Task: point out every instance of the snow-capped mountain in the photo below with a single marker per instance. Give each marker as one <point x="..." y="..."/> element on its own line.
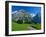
<point x="37" y="18"/>
<point x="21" y="14"/>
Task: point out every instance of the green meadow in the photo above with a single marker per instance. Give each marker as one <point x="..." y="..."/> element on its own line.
<point x="22" y="27"/>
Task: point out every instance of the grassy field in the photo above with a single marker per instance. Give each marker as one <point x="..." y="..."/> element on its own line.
<point x="21" y="27"/>
<point x="36" y="26"/>
<point x="18" y="27"/>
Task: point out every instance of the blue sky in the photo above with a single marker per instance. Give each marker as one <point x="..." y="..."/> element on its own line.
<point x="29" y="9"/>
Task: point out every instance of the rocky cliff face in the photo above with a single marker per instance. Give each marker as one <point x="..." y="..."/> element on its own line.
<point x="37" y="18"/>
<point x="22" y="15"/>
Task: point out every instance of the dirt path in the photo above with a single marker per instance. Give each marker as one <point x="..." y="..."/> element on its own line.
<point x="31" y="28"/>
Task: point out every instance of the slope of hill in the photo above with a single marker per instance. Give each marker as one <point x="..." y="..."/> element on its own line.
<point x="37" y="18"/>
<point x="23" y="15"/>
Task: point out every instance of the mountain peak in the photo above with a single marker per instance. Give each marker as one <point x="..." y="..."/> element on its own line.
<point x="22" y="10"/>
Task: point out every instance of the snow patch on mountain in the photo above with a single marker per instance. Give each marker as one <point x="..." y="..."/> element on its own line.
<point x="33" y="15"/>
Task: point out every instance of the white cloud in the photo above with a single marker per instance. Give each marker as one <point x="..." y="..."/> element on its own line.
<point x="33" y="14"/>
<point x="14" y="12"/>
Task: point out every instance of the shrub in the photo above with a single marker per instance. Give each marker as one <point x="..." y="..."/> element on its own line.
<point x="13" y="20"/>
<point x="20" y="21"/>
<point x="34" y="22"/>
<point x="29" y="22"/>
<point x="26" y="21"/>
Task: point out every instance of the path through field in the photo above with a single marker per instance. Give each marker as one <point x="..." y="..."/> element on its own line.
<point x="31" y="28"/>
<point x="20" y="27"/>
